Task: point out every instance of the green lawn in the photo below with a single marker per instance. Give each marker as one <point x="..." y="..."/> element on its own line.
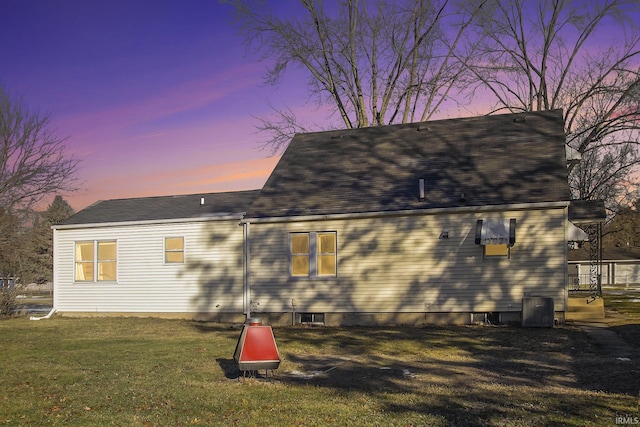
<point x="624" y="313"/>
<point x="151" y="372"/>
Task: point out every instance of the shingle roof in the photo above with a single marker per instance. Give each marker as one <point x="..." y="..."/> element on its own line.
<point x="587" y="211"/>
<point x="164" y="207"/>
<point x="488" y="160"/>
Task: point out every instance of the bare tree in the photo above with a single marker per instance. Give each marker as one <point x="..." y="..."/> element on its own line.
<point x="607" y="175"/>
<point x="33" y="162"/>
<point x="581" y="56"/>
<point x="373" y="63"/>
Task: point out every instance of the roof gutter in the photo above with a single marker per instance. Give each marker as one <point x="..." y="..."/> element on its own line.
<point x="434" y="211"/>
<point x="236" y="217"/>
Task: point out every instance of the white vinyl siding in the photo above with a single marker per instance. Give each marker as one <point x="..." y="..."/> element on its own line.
<point x="400" y="264"/>
<point x="209" y="280"/>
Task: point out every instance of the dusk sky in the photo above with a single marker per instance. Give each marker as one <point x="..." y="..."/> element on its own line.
<point x="156" y="97"/>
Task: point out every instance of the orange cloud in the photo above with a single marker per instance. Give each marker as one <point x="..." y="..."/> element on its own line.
<point x="242" y="175"/>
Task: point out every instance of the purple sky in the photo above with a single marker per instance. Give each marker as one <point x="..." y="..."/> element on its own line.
<point x="156" y="97"/>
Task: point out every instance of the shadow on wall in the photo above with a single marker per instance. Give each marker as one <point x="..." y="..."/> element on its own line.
<point x="216" y="268"/>
<point x="399" y="264"/>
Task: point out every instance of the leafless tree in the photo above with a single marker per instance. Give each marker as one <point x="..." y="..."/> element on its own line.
<point x="582" y="56"/>
<point x="373" y="63"/>
<point x="33" y="161"/>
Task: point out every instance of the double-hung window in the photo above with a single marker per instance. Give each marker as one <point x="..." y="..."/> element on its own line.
<point x="96" y="261"/>
<point x="313" y="254"/>
<point x="174" y="250"/>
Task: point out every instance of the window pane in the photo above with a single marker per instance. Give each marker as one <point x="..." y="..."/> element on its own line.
<point x="84" y="271"/>
<point x="300" y="243"/>
<point x="327" y="243"/>
<point x="107" y="271"/>
<point x="174" y="243"/>
<point x="106" y="251"/>
<point x="326" y="265"/>
<point x="300" y="265"/>
<point x="177" y="256"/>
<point x="496" y="250"/>
<point x="84" y="251"/>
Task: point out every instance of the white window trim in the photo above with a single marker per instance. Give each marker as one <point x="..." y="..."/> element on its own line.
<point x="164" y="250"/>
<point x="95" y="260"/>
<point x="313" y="255"/>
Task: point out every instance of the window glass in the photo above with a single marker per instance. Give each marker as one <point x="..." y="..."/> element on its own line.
<point x="300" y="243"/>
<point x="300" y="254"/>
<point x="326" y="254"/>
<point x="496" y="250"/>
<point x="107" y="261"/>
<point x="106" y="251"/>
<point x="84" y="271"/>
<point x="84" y="261"/>
<point x="84" y="251"/>
<point x="300" y="265"/>
<point x="174" y="257"/>
<point x="107" y="271"/>
<point x="174" y="243"/>
<point x="174" y="250"/>
<point x="327" y="243"/>
<point x="326" y="265"/>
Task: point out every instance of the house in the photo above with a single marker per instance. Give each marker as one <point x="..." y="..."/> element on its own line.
<point x="446" y="221"/>
<point x="620" y="266"/>
<point x="440" y="221"/>
<point x="165" y="256"/>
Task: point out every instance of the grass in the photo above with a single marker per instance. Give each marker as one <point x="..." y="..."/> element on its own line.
<point x="152" y="372"/>
<point x="623" y="308"/>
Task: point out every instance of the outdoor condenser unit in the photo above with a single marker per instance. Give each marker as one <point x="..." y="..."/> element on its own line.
<point x="537" y="312"/>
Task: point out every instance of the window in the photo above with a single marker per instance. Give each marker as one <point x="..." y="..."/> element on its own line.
<point x="326" y="254"/>
<point x="317" y="318"/>
<point x="174" y="250"/>
<point x="300" y="254"/>
<point x="107" y="261"/>
<point x="84" y="261"/>
<point x="96" y="261"/>
<point x="313" y="254"/>
<point x="497" y="236"/>
<point x="496" y="250"/>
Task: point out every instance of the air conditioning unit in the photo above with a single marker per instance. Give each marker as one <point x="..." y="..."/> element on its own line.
<point x="537" y="312"/>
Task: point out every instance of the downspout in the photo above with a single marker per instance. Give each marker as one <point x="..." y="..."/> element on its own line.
<point x="247" y="262"/>
<point x="48" y="316"/>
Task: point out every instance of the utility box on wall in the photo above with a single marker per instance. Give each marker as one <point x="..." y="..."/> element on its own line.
<point x="537" y="312"/>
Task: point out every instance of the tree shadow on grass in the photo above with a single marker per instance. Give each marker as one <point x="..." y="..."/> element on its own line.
<point x="467" y="375"/>
<point x="630" y="333"/>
